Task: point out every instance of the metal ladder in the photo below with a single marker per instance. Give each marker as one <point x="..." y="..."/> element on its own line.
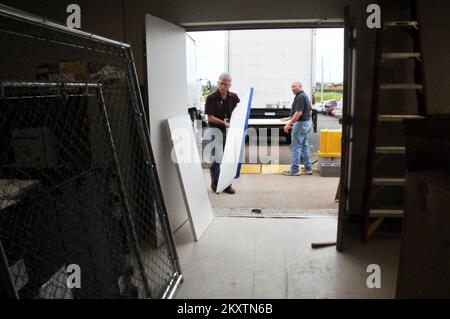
<point x="385" y="171"/>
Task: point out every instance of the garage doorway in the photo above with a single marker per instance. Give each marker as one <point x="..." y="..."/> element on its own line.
<point x="270" y="60"/>
<point x="277" y="25"/>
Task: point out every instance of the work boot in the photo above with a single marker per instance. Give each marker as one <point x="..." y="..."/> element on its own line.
<point x="291" y="173"/>
<point x="307" y="171"/>
<point x="229" y="190"/>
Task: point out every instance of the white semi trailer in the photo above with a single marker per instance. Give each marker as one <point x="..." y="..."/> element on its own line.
<point x="270" y="60"/>
<point x="194" y="88"/>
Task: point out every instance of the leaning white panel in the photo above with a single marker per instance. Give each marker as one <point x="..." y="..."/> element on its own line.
<point x="235" y="143"/>
<point x="186" y="157"/>
<point x="166" y="68"/>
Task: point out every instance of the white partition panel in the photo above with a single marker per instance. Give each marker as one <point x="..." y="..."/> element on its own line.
<point x="186" y="156"/>
<point x="167" y="97"/>
<point x="235" y="143"/>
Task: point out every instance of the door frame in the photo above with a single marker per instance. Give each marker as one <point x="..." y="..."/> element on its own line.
<point x="347" y="125"/>
<point x="348" y="25"/>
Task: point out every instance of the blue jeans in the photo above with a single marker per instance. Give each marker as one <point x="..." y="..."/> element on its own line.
<point x="300" y="146"/>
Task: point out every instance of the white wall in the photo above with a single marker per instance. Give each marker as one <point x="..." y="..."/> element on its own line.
<point x="167" y="97"/>
<point x="270" y="60"/>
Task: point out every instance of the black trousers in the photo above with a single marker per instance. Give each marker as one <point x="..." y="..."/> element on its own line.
<point x="214" y="170"/>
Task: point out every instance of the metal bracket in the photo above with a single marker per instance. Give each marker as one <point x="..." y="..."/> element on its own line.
<point x="347" y="140"/>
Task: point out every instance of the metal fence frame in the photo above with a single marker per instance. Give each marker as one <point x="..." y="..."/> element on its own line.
<point x="143" y="133"/>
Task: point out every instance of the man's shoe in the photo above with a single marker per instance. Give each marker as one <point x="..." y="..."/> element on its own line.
<point x="307" y="171"/>
<point x="229" y="190"/>
<point x="290" y="173"/>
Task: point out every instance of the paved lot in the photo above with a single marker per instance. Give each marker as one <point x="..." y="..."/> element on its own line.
<point x="323" y="122"/>
<point x="275" y="191"/>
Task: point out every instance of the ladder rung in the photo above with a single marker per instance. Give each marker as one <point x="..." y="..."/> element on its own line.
<point x="389" y="181"/>
<point x="401" y="86"/>
<point x="398" y="118"/>
<point x="394" y="56"/>
<point x="386" y="213"/>
<point x="390" y="150"/>
<point x="401" y="24"/>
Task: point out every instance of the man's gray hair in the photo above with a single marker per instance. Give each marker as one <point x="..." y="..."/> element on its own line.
<point x="300" y="84"/>
<point x="225" y="77"/>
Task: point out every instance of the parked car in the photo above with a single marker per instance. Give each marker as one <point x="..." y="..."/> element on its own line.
<point x="319" y="107"/>
<point x="337" y="112"/>
<point x="333" y="107"/>
<point x="329" y="106"/>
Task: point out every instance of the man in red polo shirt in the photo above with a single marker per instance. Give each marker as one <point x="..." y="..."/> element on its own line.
<point x="219" y="107"/>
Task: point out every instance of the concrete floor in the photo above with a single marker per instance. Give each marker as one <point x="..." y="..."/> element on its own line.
<point x="240" y="258"/>
<point x="274" y="191"/>
<point x="271" y="257"/>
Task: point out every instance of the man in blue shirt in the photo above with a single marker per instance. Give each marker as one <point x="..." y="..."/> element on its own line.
<point x="301" y="124"/>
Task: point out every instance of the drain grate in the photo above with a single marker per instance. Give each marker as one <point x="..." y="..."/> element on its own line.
<point x="275" y="212"/>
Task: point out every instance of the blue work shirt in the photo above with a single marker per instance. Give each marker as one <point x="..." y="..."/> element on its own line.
<point x="301" y="104"/>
